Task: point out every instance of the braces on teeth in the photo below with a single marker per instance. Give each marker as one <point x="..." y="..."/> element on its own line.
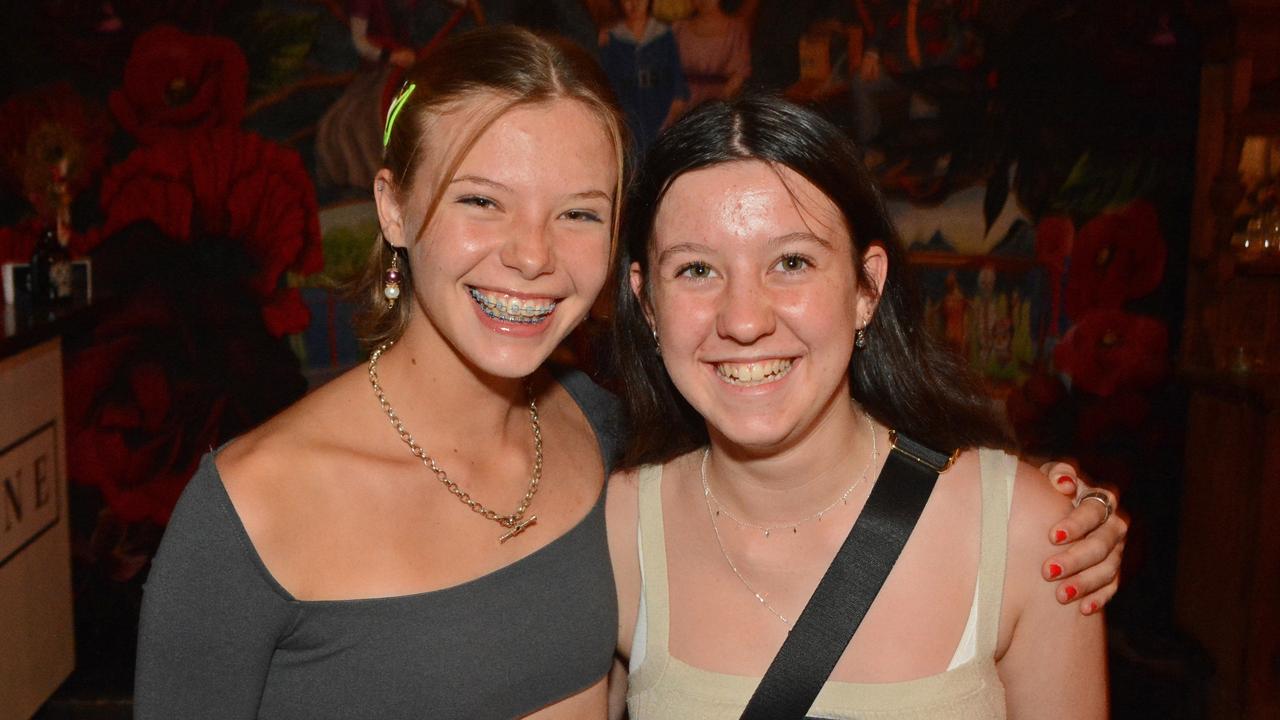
<point x="503" y="310"/>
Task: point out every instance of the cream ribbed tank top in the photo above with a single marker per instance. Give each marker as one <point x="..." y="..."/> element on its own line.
<point x="664" y="687"/>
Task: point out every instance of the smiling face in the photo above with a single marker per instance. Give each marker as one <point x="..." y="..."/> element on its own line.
<point x="755" y="300"/>
<point x="518" y="247"/>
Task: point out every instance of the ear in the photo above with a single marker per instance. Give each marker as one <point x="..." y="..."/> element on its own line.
<point x="875" y="268"/>
<point x="637" y="289"/>
<point x="390" y="216"/>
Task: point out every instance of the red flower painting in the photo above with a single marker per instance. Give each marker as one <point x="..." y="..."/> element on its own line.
<point x="1111" y="350"/>
<point x="178" y="367"/>
<point x="224" y="185"/>
<point x="1055" y="234"/>
<point x="1116" y="257"/>
<point x="18" y="242"/>
<point x="175" y="82"/>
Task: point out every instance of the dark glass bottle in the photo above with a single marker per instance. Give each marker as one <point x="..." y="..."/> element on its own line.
<point x="51" y="273"/>
<point x="41" y="259"/>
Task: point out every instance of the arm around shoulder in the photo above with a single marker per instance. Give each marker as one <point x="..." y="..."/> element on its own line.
<point x="1054" y="659"/>
<point x="211" y="618"/>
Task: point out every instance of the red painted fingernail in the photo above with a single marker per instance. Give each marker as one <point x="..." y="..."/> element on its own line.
<point x="1093" y="608"/>
<point x="1054" y="570"/>
<point x="1059" y="536"/>
<point x="1065" y="480"/>
<point x="1071" y="592"/>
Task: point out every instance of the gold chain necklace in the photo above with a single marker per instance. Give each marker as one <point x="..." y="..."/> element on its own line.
<point x="515" y="523"/>
<point x="713" y="513"/>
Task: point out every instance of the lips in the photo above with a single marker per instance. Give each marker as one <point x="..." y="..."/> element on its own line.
<point x="756" y="372"/>
<point x="511" y="309"/>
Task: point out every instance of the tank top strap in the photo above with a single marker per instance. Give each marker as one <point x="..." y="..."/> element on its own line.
<point x="653" y="562"/>
<point x="998" y="470"/>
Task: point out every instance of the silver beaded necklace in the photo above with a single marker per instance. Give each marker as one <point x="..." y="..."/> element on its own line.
<point x="713" y="513"/>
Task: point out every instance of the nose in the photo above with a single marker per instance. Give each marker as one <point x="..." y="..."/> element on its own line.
<point x="746" y="311"/>
<point x="529" y="250"/>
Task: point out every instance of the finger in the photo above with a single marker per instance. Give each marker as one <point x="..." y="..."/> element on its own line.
<point x="1091" y="579"/>
<point x="1096" y="601"/>
<point x="1081" y="555"/>
<point x="1083" y="520"/>
<point x="1064" y="477"/>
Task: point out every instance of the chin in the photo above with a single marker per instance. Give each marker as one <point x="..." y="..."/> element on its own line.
<point x="508" y="359"/>
<point x="761" y="436"/>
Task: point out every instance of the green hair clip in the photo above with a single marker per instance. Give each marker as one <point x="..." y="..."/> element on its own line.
<point x="396" y="105"/>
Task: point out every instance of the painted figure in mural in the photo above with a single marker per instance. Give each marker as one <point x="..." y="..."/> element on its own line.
<point x="762" y="425"/>
<point x="775" y="37"/>
<point x="915" y="55"/>
<point x="446" y="501"/>
<point x="1024" y="349"/>
<point x="715" y="52"/>
<point x="642" y="60"/>
<point x="955" y="307"/>
<point x="985" y="312"/>
<point x="386" y="35"/>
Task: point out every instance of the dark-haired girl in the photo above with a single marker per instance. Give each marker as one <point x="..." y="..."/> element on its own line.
<point x="771" y="339"/>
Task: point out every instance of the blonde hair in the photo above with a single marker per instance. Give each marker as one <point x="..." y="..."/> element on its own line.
<point x="516" y="67"/>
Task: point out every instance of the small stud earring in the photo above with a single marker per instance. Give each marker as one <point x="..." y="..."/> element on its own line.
<point x="391" y="280"/>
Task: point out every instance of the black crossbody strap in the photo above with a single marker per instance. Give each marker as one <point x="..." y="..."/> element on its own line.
<point x="828" y="622"/>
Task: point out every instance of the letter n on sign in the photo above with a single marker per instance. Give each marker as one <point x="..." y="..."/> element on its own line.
<point x="29" y="502"/>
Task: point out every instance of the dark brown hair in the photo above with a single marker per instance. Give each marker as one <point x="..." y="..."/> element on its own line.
<point x="515" y="66"/>
<point x="903" y="378"/>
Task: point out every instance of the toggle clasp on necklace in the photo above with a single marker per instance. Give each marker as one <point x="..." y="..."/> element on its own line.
<point x="518" y="528"/>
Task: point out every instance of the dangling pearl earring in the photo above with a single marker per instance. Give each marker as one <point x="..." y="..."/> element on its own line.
<point x="391" y="280"/>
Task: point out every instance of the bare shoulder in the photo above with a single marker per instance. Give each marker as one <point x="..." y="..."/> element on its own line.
<point x="1036" y="507"/>
<point x="1051" y="657"/>
<point x="623" y="499"/>
<point x="622" y="516"/>
<point x="276" y="469"/>
<point x="622" y="507"/>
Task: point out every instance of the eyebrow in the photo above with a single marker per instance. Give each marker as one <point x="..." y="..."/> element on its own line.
<point x="682" y="248"/>
<point x="800" y="237"/>
<point x="695" y="248"/>
<point x="480" y="181"/>
<point x="499" y="186"/>
<point x="593" y="194"/>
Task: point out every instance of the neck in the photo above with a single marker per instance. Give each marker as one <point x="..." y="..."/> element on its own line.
<point x="433" y="389"/>
<point x="637" y="24"/>
<point x="794" y="481"/>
